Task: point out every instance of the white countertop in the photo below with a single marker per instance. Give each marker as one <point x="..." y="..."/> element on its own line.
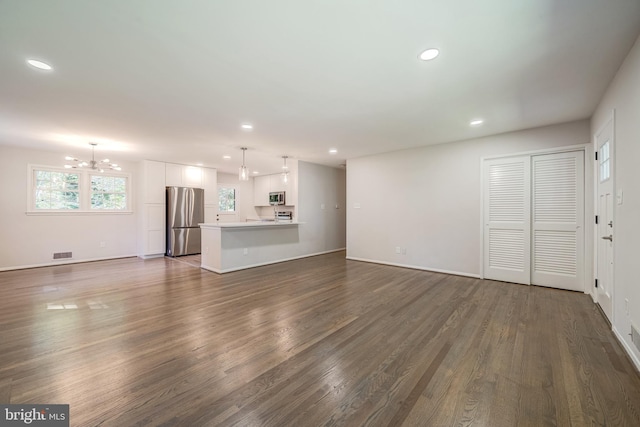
<point x="251" y="224"/>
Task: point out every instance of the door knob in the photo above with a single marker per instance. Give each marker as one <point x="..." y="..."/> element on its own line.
<point x="609" y="237"/>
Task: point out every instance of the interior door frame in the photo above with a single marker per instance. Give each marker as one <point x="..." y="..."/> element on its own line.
<point x="610" y="119"/>
<point x="588" y="207"/>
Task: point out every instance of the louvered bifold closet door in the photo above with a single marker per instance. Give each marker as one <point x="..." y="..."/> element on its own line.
<point x="558" y="220"/>
<point x="507" y="225"/>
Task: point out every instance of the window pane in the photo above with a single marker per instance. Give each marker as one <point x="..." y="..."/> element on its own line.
<point x="43" y="175"/>
<point x="56" y="190"/>
<point x="119" y="185"/>
<point x="108" y="192"/>
<point x="226" y="199"/>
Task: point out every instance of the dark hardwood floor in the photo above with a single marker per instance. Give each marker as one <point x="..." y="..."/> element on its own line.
<point x="312" y="342"/>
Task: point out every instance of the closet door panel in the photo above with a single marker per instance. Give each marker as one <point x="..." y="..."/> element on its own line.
<point x="507" y="225"/>
<point x="558" y="220"/>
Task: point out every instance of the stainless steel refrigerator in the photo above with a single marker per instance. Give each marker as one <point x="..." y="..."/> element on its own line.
<point x="185" y="210"/>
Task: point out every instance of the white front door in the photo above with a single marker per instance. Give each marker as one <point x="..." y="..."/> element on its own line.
<point x="605" y="226"/>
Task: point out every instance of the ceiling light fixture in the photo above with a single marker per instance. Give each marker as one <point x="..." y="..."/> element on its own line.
<point x="476" y="122"/>
<point x="333" y="151"/>
<point x="243" y="174"/>
<point x="226" y="157"/>
<point x="39" y="64"/>
<point x="247" y="126"/>
<point x="93" y="164"/>
<point x="285" y="170"/>
<point x="429" y="54"/>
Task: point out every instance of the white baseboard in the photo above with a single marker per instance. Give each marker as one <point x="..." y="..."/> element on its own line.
<point x="63" y="262"/>
<point x="416" y="267"/>
<point x="627" y="348"/>
<point x="151" y="256"/>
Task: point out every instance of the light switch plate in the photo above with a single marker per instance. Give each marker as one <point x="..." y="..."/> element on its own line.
<point x="619" y="197"/>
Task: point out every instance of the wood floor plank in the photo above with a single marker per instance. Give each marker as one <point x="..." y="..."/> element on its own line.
<point x="310" y="342"/>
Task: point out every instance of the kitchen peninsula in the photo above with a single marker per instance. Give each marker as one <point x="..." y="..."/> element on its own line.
<point x="239" y="245"/>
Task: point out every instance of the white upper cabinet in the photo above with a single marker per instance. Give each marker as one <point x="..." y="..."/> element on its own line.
<point x="192" y="177"/>
<point x="276" y="183"/>
<point x="263" y="185"/>
<point x="261" y="189"/>
<point x="153" y="177"/>
<point x="210" y="185"/>
<point x="184" y="176"/>
<point x="174" y="175"/>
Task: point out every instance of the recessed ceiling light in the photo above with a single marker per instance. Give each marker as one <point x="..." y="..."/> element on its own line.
<point x="226" y="157"/>
<point x="256" y="172"/>
<point x="476" y="122"/>
<point x="198" y="164"/>
<point x="39" y="64"/>
<point x="333" y="151"/>
<point x="247" y="126"/>
<point x="429" y="54"/>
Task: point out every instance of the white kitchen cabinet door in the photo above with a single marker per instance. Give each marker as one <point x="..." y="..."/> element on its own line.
<point x="192" y="176"/>
<point x="154" y="181"/>
<point x="210" y="185"/>
<point x="507" y="224"/>
<point x="277" y="183"/>
<point x="558" y="220"/>
<point x="173" y="175"/>
<point x="261" y="189"/>
<point x="154" y="229"/>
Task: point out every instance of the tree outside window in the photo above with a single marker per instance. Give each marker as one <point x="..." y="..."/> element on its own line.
<point x="226" y="199"/>
<point x="56" y="190"/>
<point x="108" y="192"/>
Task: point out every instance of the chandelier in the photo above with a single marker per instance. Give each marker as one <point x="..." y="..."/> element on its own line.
<point x="93" y="164"/>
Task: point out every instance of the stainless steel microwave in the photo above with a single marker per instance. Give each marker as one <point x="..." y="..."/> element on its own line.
<point x="276" y="198"/>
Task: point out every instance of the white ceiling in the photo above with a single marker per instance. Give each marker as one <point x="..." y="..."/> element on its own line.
<point x="173" y="80"/>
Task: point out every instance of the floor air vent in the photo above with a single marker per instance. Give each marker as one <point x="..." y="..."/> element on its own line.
<point x="62" y="255"/>
<point x="635" y="336"/>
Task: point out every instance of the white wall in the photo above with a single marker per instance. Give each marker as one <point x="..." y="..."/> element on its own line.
<point x="30" y="240"/>
<point x="623" y="96"/>
<point x="427" y="201"/>
<point x="244" y="195"/>
<point x="320" y="190"/>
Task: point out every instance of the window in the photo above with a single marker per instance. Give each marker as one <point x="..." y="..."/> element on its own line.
<point x="605" y="162"/>
<point x="57" y="190"/>
<point x="226" y="199"/>
<point x="108" y="192"/>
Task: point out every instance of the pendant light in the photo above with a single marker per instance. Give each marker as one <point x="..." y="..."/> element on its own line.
<point x="243" y="173"/>
<point x="285" y="170"/>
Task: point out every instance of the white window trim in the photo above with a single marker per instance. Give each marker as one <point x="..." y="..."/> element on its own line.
<point x="84" y="191"/>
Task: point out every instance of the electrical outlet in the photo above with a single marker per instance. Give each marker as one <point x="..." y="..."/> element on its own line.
<point x="245" y="251"/>
<point x="397" y="249"/>
<point x="322" y="206"/>
<point x="103" y="244"/>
